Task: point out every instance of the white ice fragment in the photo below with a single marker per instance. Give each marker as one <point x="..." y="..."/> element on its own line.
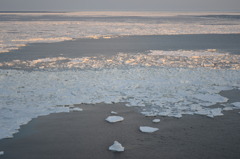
<point x="227" y="108"/>
<point x="212" y="98"/>
<point x="156" y="120"/>
<point x="210" y="112"/>
<point x="215" y="112"/>
<point x="147" y="129"/>
<point x="113" y="119"/>
<point x="71" y="106"/>
<point x="149" y="114"/>
<point x="176" y="115"/>
<point x="116" y="147"/>
<point x="77" y="109"/>
<point x="164" y="113"/>
<point x="236" y="105"/>
<point x="1" y="152"/>
<point x="113" y="112"/>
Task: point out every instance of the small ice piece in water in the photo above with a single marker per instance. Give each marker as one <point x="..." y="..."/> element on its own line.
<point x="227" y="108"/>
<point x="113" y="119"/>
<point x="1" y="153"/>
<point x="113" y="112"/>
<point x="215" y="112"/>
<point x="156" y="120"/>
<point x="176" y="115"/>
<point x="236" y="105"/>
<point x="147" y="129"/>
<point x="116" y="147"/>
<point x="149" y="114"/>
<point x="76" y="109"/>
<point x="71" y="106"/>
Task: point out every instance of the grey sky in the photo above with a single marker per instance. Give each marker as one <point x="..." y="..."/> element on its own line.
<point x="132" y="5"/>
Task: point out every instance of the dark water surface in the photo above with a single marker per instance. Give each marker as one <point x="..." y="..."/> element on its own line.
<point x="94" y="47"/>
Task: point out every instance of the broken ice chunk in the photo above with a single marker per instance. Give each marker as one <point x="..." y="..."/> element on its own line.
<point x="113" y="112"/>
<point x="76" y="109"/>
<point x="71" y="106"/>
<point x="149" y="114"/>
<point x="228" y="108"/>
<point x="156" y="120"/>
<point x="1" y="153"/>
<point x="164" y="113"/>
<point x="215" y="112"/>
<point x="116" y="147"/>
<point x="176" y="115"/>
<point x="210" y="112"/>
<point x="147" y="129"/>
<point x="236" y="105"/>
<point x="113" y="119"/>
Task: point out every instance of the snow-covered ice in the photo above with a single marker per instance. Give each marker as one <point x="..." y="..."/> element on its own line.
<point x="156" y="120"/>
<point x="114" y="119"/>
<point x="116" y="147"/>
<point x="147" y="129"/>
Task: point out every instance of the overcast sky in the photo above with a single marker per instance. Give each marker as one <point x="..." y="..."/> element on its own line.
<point x="129" y="5"/>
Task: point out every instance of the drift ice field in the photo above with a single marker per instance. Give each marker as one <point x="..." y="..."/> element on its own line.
<point x="158" y="82"/>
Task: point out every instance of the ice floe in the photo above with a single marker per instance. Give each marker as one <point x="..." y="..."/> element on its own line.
<point x="236" y="105"/>
<point x="114" y="119"/>
<point x="156" y="120"/>
<point x="147" y="129"/>
<point x="116" y="147"/>
<point x="76" y="109"/>
<point x="113" y="112"/>
<point x="1" y="152"/>
<point x="227" y="108"/>
<point x="149" y="114"/>
<point x="210" y="112"/>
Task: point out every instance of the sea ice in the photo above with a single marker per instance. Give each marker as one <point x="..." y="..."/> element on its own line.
<point x="156" y="87"/>
<point x="147" y="129"/>
<point x="227" y="108"/>
<point x="77" y="109"/>
<point x="116" y="147"/>
<point x="149" y="114"/>
<point x="114" y="119"/>
<point x="236" y="105"/>
<point x="1" y="153"/>
<point x="113" y="112"/>
<point x="156" y="120"/>
<point x="54" y="31"/>
<point x="210" y="112"/>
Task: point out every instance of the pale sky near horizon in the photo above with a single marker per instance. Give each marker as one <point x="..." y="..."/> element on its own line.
<point x="120" y="5"/>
